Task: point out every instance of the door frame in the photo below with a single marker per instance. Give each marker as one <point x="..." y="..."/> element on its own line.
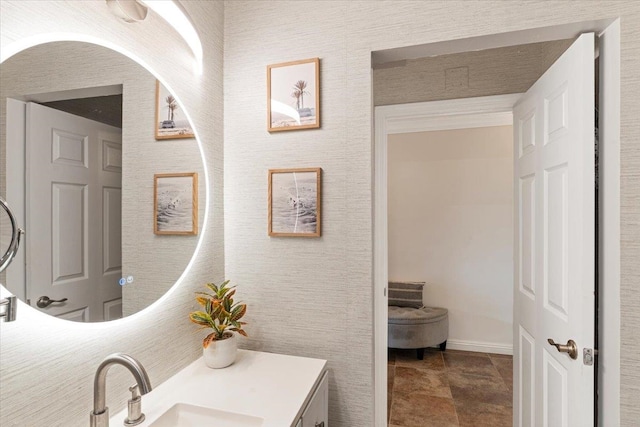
<point x="417" y="117"/>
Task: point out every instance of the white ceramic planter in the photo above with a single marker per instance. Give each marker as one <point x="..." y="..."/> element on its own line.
<point x="220" y="354"/>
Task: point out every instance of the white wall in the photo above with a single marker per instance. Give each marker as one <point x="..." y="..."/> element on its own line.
<point x="450" y="219"/>
<point x="47" y="365"/>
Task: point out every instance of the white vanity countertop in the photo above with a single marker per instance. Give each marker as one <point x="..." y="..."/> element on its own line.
<point x="266" y="385"/>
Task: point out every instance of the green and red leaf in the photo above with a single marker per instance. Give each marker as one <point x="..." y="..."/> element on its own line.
<point x="240" y="331"/>
<point x="221" y="313"/>
<point x="200" y="318"/>
<point x="213" y="287"/>
<point x="209" y="339"/>
<point x="238" y="312"/>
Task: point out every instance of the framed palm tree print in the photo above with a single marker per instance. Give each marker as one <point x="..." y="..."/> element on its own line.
<point x="293" y="95"/>
<point x="171" y="121"/>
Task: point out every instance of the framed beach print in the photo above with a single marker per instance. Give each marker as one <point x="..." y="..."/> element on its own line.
<point x="171" y="122"/>
<point x="293" y="95"/>
<point x="294" y="202"/>
<point x="175" y="203"/>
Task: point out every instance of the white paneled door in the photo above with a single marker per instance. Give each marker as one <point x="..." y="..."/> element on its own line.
<point x="73" y="181"/>
<point x="554" y="250"/>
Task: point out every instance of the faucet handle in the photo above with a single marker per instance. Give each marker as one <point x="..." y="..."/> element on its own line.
<point x="134" y="415"/>
<point x="135" y="391"/>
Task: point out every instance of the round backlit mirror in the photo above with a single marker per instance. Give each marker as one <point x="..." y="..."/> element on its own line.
<point x="102" y="172"/>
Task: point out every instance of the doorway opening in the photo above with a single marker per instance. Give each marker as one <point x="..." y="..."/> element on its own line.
<point x="407" y="118"/>
<point x="450" y="200"/>
<point x="450" y="225"/>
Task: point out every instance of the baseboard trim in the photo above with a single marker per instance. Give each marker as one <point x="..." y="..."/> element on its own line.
<point x="479" y="346"/>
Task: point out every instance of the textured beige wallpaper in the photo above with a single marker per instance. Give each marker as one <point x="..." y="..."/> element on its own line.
<point x="488" y="72"/>
<point x="325" y="285"/>
<point x="47" y="365"/>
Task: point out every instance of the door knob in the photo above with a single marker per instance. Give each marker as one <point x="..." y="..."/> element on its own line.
<point x="571" y="348"/>
<point x="45" y="301"/>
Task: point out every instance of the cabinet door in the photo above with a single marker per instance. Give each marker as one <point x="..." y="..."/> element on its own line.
<point x="316" y="413"/>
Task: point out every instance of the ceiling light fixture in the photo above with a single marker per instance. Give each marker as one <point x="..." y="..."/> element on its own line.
<point x="128" y="10"/>
<point x="170" y="11"/>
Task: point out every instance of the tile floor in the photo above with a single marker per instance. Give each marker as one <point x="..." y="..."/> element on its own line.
<point x="454" y="388"/>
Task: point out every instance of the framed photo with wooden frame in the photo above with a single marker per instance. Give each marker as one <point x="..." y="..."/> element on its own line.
<point x="295" y="202"/>
<point x="293" y="95"/>
<point x="175" y="200"/>
<point x="171" y="121"/>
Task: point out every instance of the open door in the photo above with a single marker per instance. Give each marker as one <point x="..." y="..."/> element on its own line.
<point x="74" y="185"/>
<point x="554" y="244"/>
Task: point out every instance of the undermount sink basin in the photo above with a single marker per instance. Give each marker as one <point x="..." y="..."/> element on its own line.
<point x="184" y="415"/>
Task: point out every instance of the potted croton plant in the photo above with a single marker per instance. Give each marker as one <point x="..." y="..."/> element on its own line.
<point x="222" y="314"/>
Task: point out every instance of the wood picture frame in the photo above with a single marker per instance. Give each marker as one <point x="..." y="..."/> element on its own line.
<point x="176" y="125"/>
<point x="295" y="202"/>
<point x="175" y="203"/>
<point x="291" y="88"/>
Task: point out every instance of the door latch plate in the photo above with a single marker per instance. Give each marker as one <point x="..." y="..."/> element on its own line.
<point x="587" y="356"/>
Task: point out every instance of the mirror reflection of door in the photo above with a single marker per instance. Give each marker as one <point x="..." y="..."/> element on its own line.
<point x="73" y="176"/>
<point x="99" y="84"/>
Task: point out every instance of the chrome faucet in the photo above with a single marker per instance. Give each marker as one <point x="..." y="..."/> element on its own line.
<point x="100" y="414"/>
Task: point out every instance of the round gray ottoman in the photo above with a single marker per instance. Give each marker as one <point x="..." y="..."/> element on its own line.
<point x="418" y="328"/>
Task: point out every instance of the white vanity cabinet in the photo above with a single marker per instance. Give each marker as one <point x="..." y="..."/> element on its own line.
<point x="265" y="389"/>
<point x="316" y="413"/>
